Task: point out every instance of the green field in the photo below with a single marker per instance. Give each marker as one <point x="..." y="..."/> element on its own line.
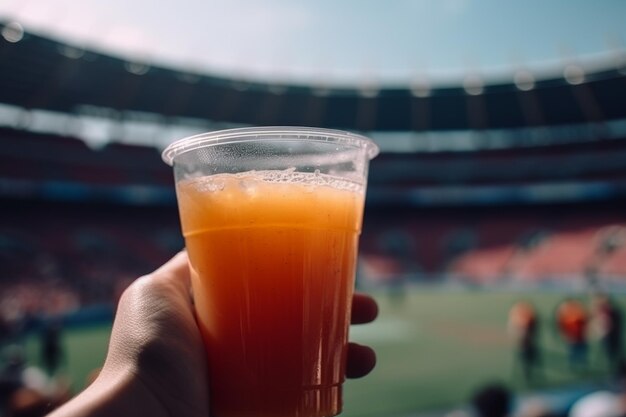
<point x="434" y="348"/>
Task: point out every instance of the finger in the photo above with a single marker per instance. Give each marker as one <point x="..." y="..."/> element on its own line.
<point x="364" y="309"/>
<point x="175" y="272"/>
<point x="361" y="360"/>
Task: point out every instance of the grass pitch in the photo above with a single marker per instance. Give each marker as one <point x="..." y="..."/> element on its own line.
<point x="434" y="347"/>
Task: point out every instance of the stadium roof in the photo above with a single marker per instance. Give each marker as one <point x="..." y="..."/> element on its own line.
<point x="40" y="73"/>
<point x="348" y="43"/>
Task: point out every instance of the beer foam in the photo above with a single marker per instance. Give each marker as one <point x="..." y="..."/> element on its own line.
<point x="214" y="183"/>
<point x="290" y="176"/>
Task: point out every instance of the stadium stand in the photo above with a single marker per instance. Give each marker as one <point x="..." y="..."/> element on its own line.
<point x="598" y="160"/>
<point x="491" y="245"/>
<point x="82" y="252"/>
<point x="453" y="210"/>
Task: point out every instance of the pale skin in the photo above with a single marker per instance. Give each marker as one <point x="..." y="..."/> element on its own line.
<point x="156" y="364"/>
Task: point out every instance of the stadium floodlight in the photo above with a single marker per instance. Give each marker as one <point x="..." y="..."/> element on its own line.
<point x="369" y="90"/>
<point x="70" y="51"/>
<point x="420" y="91"/>
<point x="137" y="68"/>
<point x="524" y="80"/>
<point x="12" y="32"/>
<point x="574" y="74"/>
<point x="473" y="85"/>
<point x="420" y="87"/>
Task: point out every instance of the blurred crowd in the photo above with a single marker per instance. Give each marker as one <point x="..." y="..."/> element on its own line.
<point x="63" y="257"/>
<point x="576" y="326"/>
<point x="529" y="247"/>
<point x="498" y="400"/>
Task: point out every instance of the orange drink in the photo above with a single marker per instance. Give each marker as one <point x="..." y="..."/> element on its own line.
<point x="273" y="269"/>
<point x="271" y="226"/>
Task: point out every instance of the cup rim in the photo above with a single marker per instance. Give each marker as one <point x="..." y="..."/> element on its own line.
<point x="276" y="133"/>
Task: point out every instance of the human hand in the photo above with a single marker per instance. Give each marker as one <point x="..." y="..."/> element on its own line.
<point x="361" y="359"/>
<point x="156" y="363"/>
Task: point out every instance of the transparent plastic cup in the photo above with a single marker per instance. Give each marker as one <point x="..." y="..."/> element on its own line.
<point x="271" y="218"/>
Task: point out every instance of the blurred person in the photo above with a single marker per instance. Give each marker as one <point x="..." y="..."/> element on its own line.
<point x="26" y="390"/>
<point x="605" y="402"/>
<point x="5" y="329"/>
<point x="608" y="323"/>
<point x="597" y="404"/>
<point x="51" y="344"/>
<point x="572" y="320"/>
<point x="13" y="364"/>
<point x="156" y="362"/>
<point x="15" y="317"/>
<point x="492" y="400"/>
<point x="523" y="325"/>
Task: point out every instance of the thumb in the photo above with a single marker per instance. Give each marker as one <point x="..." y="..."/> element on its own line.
<point x="174" y="273"/>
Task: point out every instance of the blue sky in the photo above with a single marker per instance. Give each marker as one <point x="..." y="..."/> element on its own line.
<point x="330" y="41"/>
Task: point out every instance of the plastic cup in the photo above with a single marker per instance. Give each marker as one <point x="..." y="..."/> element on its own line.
<point x="271" y="218"/>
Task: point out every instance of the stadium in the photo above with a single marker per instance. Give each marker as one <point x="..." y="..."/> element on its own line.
<point x="486" y="191"/>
